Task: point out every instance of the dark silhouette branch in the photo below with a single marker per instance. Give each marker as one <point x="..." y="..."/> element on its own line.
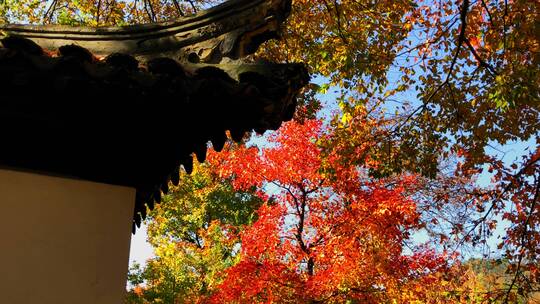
<point x="47" y="18"/>
<point x="149" y="8"/>
<point x="178" y="8"/>
<point x="98" y="11"/>
<point x="193" y="7"/>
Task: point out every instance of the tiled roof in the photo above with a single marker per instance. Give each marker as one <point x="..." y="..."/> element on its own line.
<point x="232" y="30"/>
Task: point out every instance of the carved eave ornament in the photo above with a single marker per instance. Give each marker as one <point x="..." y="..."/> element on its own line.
<point x="129" y="105"/>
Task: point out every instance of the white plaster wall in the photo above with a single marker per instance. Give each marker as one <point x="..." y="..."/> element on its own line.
<point x="63" y="240"/>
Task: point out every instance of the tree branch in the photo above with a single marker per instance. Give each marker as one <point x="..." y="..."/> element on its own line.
<point x="522" y="240"/>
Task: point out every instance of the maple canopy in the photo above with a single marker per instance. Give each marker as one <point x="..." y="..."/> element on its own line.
<point x="323" y="238"/>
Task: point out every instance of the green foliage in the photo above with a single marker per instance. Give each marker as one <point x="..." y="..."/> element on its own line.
<point x="195" y="234"/>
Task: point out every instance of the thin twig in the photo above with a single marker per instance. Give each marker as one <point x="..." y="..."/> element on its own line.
<point x="338" y="19"/>
<point x="481" y="62"/>
<point x="488" y="12"/>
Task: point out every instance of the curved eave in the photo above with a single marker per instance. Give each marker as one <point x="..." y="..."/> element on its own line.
<point x="237" y="17"/>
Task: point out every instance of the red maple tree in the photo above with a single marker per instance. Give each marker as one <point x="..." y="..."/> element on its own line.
<point x="328" y="233"/>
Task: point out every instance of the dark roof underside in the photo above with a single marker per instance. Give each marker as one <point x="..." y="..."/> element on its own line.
<point x="116" y="121"/>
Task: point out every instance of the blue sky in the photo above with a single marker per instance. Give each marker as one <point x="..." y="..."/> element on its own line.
<point x="140" y="250"/>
